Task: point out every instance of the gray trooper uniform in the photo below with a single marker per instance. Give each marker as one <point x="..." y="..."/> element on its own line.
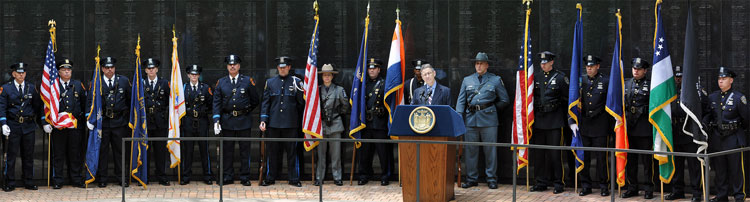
<point x="479" y="101"/>
<point x="335" y="104"/>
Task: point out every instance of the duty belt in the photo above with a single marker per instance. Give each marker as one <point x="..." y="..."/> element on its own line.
<point x="635" y="110"/>
<point x="679" y="120"/>
<point x="476" y="108"/>
<point x="22" y="119"/>
<point x="237" y="112"/>
<point x="152" y="110"/>
<point x="729" y="126"/>
<point x="110" y="113"/>
<point x="549" y="106"/>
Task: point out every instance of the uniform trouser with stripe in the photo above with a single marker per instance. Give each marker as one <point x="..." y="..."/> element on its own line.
<point x="647" y="160"/>
<point x="471" y="153"/>
<point x="275" y="150"/>
<point x="160" y="154"/>
<point x="728" y="169"/>
<point x="367" y="152"/>
<point x="333" y="149"/>
<point x="20" y="144"/>
<point x="601" y="175"/>
<point x="694" y="170"/>
<point x="228" y="153"/>
<point x="66" y="150"/>
<point x="112" y="137"/>
<point x="547" y="163"/>
<point x="188" y="148"/>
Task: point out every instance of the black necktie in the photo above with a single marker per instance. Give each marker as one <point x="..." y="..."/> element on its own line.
<point x="65" y="85"/>
<point x="152" y="84"/>
<point x="480" y="78"/>
<point x="234" y="81"/>
<point x="195" y="89"/>
<point x="20" y="88"/>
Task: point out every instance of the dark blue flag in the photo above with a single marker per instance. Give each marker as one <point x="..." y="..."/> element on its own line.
<point x="574" y="93"/>
<point x="357" y="100"/>
<point x="94" y="117"/>
<point x="139" y="148"/>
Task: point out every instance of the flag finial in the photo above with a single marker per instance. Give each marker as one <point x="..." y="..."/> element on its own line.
<point x="398" y="12"/>
<point x="138" y="46"/>
<point x="368" y="8"/>
<point x="528" y="3"/>
<point x="316" y="7"/>
<point x="98" y="48"/>
<point x="53" y="34"/>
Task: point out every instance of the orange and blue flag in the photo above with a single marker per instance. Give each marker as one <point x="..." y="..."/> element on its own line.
<point x="616" y="102"/>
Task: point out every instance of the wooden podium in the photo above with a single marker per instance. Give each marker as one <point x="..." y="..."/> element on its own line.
<point x="437" y="161"/>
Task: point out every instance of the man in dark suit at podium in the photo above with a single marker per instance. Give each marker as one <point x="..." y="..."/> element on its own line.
<point x="431" y="93"/>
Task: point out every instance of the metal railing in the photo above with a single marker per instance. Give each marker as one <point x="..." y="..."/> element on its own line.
<point x="611" y="152"/>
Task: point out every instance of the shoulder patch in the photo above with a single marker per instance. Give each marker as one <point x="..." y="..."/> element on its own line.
<point x="1" y="90"/>
<point x="744" y="101"/>
<point x="209" y="91"/>
<point x="252" y="82"/>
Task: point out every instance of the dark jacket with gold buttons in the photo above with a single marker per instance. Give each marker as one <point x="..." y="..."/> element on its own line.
<point x="637" y="93"/>
<point x="233" y="102"/>
<point x="727" y="118"/>
<point x="19" y="111"/>
<point x="115" y="102"/>
<point x="73" y="99"/>
<point x="550" y="99"/>
<point x="198" y="104"/>
<point x="376" y="115"/>
<point x="594" y="120"/>
<point x="156" y="99"/>
<point x="283" y="102"/>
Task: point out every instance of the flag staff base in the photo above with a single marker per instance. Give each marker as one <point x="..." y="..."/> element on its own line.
<point x="179" y="175"/>
<point x="312" y="157"/>
<point x="576" y="182"/>
<point x="527" y="177"/>
<point x="351" y="174"/>
<point x="662" y="190"/>
<point x="49" y="147"/>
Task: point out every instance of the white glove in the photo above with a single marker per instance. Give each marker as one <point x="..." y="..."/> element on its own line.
<point x="6" y="130"/>
<point x="89" y="125"/>
<point x="574" y="127"/>
<point x="217" y="128"/>
<point x="47" y="128"/>
<point x="262" y="126"/>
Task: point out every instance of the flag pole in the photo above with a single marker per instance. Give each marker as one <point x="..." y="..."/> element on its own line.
<point x="528" y="11"/>
<point x="52" y="24"/>
<point x="662" y="190"/>
<point x="351" y="174"/>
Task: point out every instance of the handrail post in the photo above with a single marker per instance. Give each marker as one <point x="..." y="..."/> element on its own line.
<point x="613" y="174"/>
<point x="706" y="184"/>
<point x="122" y="168"/>
<point x="221" y="169"/>
<point x="515" y="172"/>
<point x="418" y="173"/>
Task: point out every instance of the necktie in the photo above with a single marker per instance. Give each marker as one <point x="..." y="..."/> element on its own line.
<point x="195" y="89"/>
<point x="429" y="97"/>
<point x="152" y="84"/>
<point x="109" y="83"/>
<point x="65" y="85"/>
<point x="20" y="89"/>
<point x="480" y="78"/>
<point x="234" y="81"/>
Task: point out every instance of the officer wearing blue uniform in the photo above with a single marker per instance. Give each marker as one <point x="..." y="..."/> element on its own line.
<point x="727" y="119"/>
<point x="280" y="113"/>
<point x="66" y="142"/>
<point x="195" y="124"/>
<point x="481" y="97"/>
<point x="684" y="143"/>
<point x="550" y="115"/>
<point x="116" y="105"/>
<point x="156" y="97"/>
<point x="19" y="106"/>
<point x="376" y="120"/>
<point x="415" y="82"/>
<point x="236" y="96"/>
<point x="595" y="125"/>
<point x="637" y="91"/>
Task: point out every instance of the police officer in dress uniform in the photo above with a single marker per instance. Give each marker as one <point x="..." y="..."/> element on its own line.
<point x="415" y="82"/>
<point x="377" y="127"/>
<point x="550" y="106"/>
<point x="157" y="99"/>
<point x="481" y="97"/>
<point x="66" y="142"/>
<point x="195" y="124"/>
<point x="684" y="143"/>
<point x="596" y="125"/>
<point x="280" y="114"/>
<point x="116" y="105"/>
<point x="19" y="105"/>
<point x="335" y="105"/>
<point x="637" y="91"/>
<point x="235" y="98"/>
<point x="727" y="119"/>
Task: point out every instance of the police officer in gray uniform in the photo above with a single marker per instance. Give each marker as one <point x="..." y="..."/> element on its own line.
<point x="19" y="106"/>
<point x="637" y="91"/>
<point x="550" y="106"/>
<point x="280" y="115"/>
<point x="481" y="97"/>
<point x="335" y="105"/>
<point x="377" y="128"/>
<point x="727" y="119"/>
<point x="198" y="105"/>
<point x="595" y="125"/>
<point x="415" y="82"/>
<point x="66" y="142"/>
<point x="156" y="97"/>
<point x="234" y="98"/>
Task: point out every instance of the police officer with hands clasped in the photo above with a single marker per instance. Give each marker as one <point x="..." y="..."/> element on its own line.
<point x="198" y="106"/>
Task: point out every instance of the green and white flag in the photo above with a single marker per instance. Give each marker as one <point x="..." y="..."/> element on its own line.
<point x="662" y="94"/>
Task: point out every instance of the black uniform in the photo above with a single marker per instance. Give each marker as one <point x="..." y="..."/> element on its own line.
<point x="19" y="110"/>
<point x="156" y="97"/>
<point x="195" y="124"/>
<point x="280" y="109"/>
<point x="233" y="102"/>
<point x="640" y="136"/>
<point x="596" y="128"/>
<point x="116" y="105"/>
<point x="377" y="128"/>
<point x="550" y="115"/>
<point x="66" y="143"/>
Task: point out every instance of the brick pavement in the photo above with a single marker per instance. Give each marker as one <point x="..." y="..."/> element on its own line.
<point x="197" y="191"/>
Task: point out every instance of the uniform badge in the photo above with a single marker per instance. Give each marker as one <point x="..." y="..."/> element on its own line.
<point x="645" y="88"/>
<point x="161" y="92"/>
<point x="600" y="86"/>
<point x="242" y="90"/>
<point x="148" y="89"/>
<point x="566" y="80"/>
<point x="730" y="101"/>
<point x="234" y="90"/>
<point x="553" y="82"/>
<point x="28" y="96"/>
<point x="203" y="98"/>
<point x="744" y="101"/>
<point x="75" y="93"/>
<point x="122" y="90"/>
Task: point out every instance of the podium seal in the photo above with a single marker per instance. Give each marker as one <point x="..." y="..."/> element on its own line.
<point x="422" y="120"/>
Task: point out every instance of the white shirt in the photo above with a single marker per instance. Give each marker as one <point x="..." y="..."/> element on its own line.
<point x="153" y="81"/>
<point x="235" y="78"/>
<point x="17" y="85"/>
<point x="109" y="81"/>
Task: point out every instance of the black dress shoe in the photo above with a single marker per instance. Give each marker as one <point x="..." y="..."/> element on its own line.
<point x="9" y="188"/>
<point x="605" y="192"/>
<point x="31" y="187"/>
<point x="384" y="182"/>
<point x="164" y="182"/>
<point x="674" y="196"/>
<point x="538" y="188"/>
<point x="717" y="199"/>
<point x="246" y="183"/>
<point x="362" y="182"/>
<point x="558" y="190"/>
<point x="739" y="199"/>
<point x="208" y="182"/>
<point x="696" y="199"/>
<point x="226" y="182"/>
<point x="56" y="186"/>
<point x="584" y="192"/>
<point x="267" y="182"/>
<point x="317" y="182"/>
<point x="629" y="194"/>
<point x="338" y="183"/>
<point x="648" y="195"/>
<point x="492" y="185"/>
<point x="184" y="182"/>
<point x="102" y="184"/>
<point x="468" y="184"/>
<point x="295" y="183"/>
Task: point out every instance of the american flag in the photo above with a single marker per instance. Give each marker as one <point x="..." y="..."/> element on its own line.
<point x="312" y="125"/>
<point x="523" y="107"/>
<point x="51" y="93"/>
